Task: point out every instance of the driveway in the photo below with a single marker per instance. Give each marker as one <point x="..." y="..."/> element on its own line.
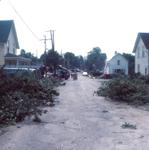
<point x="81" y="121"/>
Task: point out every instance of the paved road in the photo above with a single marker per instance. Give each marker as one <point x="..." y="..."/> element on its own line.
<point x="81" y="121"/>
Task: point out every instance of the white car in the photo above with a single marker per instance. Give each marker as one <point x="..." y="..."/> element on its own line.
<point x="85" y="74"/>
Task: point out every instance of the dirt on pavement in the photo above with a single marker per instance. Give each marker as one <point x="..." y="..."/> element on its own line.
<point x="82" y="121"/>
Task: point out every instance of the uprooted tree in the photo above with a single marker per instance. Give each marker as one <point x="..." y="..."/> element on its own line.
<point x="126" y="89"/>
<point x="22" y="95"/>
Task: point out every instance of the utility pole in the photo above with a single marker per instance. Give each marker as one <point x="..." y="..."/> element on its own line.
<point x="52" y="39"/>
<point x="45" y="44"/>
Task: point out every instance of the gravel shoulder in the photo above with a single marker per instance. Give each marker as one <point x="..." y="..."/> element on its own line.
<point x="81" y="121"/>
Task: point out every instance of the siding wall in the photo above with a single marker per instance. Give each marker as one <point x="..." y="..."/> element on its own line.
<point x="141" y="58"/>
<point x="11" y="44"/>
<point x="113" y="64"/>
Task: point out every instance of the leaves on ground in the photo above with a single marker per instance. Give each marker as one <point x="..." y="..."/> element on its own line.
<point x="127" y="125"/>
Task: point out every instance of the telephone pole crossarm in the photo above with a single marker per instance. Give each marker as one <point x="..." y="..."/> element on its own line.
<point x="45" y="44"/>
<point x="52" y="38"/>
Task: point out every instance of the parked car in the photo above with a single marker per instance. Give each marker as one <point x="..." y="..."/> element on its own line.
<point x="85" y="73"/>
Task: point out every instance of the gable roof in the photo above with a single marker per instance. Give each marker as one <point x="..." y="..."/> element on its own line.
<point x="145" y="39"/>
<point x="118" y="54"/>
<point x="5" y="27"/>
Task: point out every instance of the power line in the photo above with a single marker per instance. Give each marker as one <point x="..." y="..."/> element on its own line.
<point x="27" y="26"/>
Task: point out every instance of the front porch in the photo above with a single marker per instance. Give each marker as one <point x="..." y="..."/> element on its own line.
<point x="12" y="60"/>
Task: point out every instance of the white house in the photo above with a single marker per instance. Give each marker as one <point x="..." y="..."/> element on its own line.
<point x="118" y="64"/>
<point x="141" y="50"/>
<point x="8" y="39"/>
<point x="9" y="45"/>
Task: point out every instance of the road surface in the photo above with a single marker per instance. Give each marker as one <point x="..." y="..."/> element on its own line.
<point x="81" y="121"/>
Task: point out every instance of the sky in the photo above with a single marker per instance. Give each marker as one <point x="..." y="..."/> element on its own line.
<point x="79" y="25"/>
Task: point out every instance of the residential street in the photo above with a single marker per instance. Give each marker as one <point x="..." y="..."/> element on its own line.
<point x="80" y="120"/>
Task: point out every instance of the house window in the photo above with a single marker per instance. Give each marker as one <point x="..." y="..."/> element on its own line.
<point x="13" y="50"/>
<point x="118" y="62"/>
<point x="7" y="50"/>
<point x="7" y="47"/>
<point x="145" y="71"/>
<point x="138" y="66"/>
<point x="119" y="71"/>
<point x="143" y="54"/>
<point x="138" y="54"/>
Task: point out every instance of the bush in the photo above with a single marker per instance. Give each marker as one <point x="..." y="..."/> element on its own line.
<point x="125" y="89"/>
<point x="22" y="95"/>
<point x="140" y="77"/>
<point x="96" y="73"/>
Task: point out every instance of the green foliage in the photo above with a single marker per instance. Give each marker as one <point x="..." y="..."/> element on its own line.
<point x="141" y="77"/>
<point x="131" y="63"/>
<point x="72" y="61"/>
<point x="132" y="90"/>
<point x="96" y="60"/>
<point x="23" y="95"/>
<point x="34" y="60"/>
<point x="53" y="58"/>
<point x="127" y="125"/>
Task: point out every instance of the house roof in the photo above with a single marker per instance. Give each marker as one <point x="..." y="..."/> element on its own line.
<point x="5" y="27"/>
<point x="145" y="39"/>
<point x="118" y="54"/>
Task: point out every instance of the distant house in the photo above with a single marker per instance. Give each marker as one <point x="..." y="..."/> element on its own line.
<point x="9" y="45"/>
<point x="118" y="64"/>
<point x="141" y="50"/>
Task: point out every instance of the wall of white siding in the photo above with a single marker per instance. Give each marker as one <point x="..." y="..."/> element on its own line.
<point x="11" y="43"/>
<point x="141" y="58"/>
<point x="106" y="68"/>
<point x="113" y="64"/>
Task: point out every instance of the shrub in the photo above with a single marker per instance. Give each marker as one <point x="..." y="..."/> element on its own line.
<point x="127" y="125"/>
<point x="23" y="95"/>
<point x="125" y="89"/>
<point x="96" y="73"/>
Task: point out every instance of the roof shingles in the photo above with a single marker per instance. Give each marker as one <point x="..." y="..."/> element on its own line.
<point x="5" y="27"/>
<point x="145" y="38"/>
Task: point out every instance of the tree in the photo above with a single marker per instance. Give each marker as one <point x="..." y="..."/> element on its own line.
<point x="52" y="59"/>
<point x="29" y="55"/>
<point x="95" y="60"/>
<point x="22" y="52"/>
<point x="72" y="61"/>
<point x="131" y="62"/>
<point x="81" y="62"/>
<point x="69" y="59"/>
<point x="25" y="54"/>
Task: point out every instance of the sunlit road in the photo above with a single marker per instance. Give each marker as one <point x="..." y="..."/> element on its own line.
<point x="81" y="121"/>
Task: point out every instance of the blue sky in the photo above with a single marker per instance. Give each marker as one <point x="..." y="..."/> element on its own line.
<point x="79" y="25"/>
